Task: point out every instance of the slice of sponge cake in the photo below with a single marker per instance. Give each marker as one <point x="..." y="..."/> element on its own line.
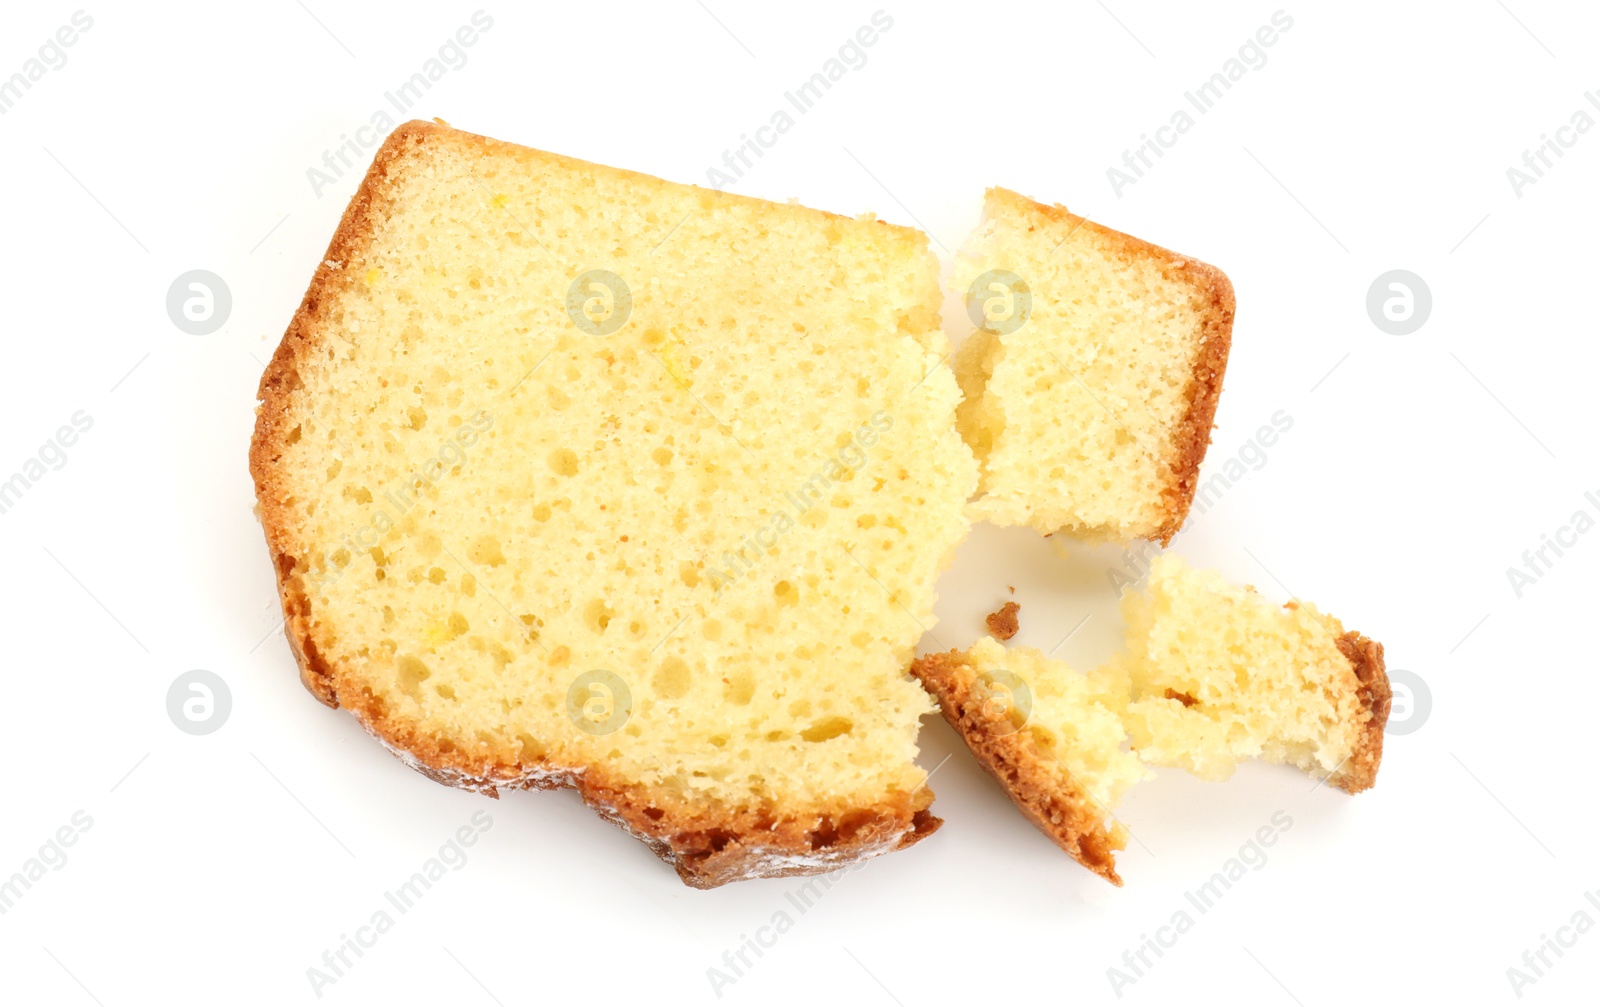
<point x="576" y="477"/>
<point x="1221" y="674"/>
<point x="1052" y="737"/>
<point x="1093" y="377"/>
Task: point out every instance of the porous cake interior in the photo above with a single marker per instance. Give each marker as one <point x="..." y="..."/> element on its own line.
<point x="1079" y="414"/>
<point x="1072" y="719"/>
<point x="1221" y="674"/>
<point x="698" y="549"/>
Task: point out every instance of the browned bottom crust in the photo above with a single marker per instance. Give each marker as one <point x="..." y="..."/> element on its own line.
<point x="1003" y="624"/>
<point x="1036" y="784"/>
<point x="1360" y="771"/>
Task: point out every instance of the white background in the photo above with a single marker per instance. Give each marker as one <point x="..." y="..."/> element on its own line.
<point x="1419" y="468"/>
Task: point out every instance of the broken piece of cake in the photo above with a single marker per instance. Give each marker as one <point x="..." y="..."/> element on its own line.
<point x="1212" y="674"/>
<point x="1220" y="674"/>
<point x="1051" y="736"/>
<point x="1093" y="376"/>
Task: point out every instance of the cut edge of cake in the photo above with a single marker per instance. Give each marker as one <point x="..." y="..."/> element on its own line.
<point x="707" y="845"/>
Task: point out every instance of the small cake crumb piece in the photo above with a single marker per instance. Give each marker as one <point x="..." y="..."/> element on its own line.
<point x="1003" y="624"/>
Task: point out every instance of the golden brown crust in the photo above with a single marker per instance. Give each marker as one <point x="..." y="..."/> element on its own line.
<point x="1213" y="292"/>
<point x="707" y="845"/>
<point x="1036" y="784"/>
<point x="1003" y="624"/>
<point x="1193" y="435"/>
<point x="1360" y="771"/>
<point x="280" y="380"/>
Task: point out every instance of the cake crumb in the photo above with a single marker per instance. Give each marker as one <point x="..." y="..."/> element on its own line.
<point x="1003" y="624"/>
<point x="1182" y="697"/>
